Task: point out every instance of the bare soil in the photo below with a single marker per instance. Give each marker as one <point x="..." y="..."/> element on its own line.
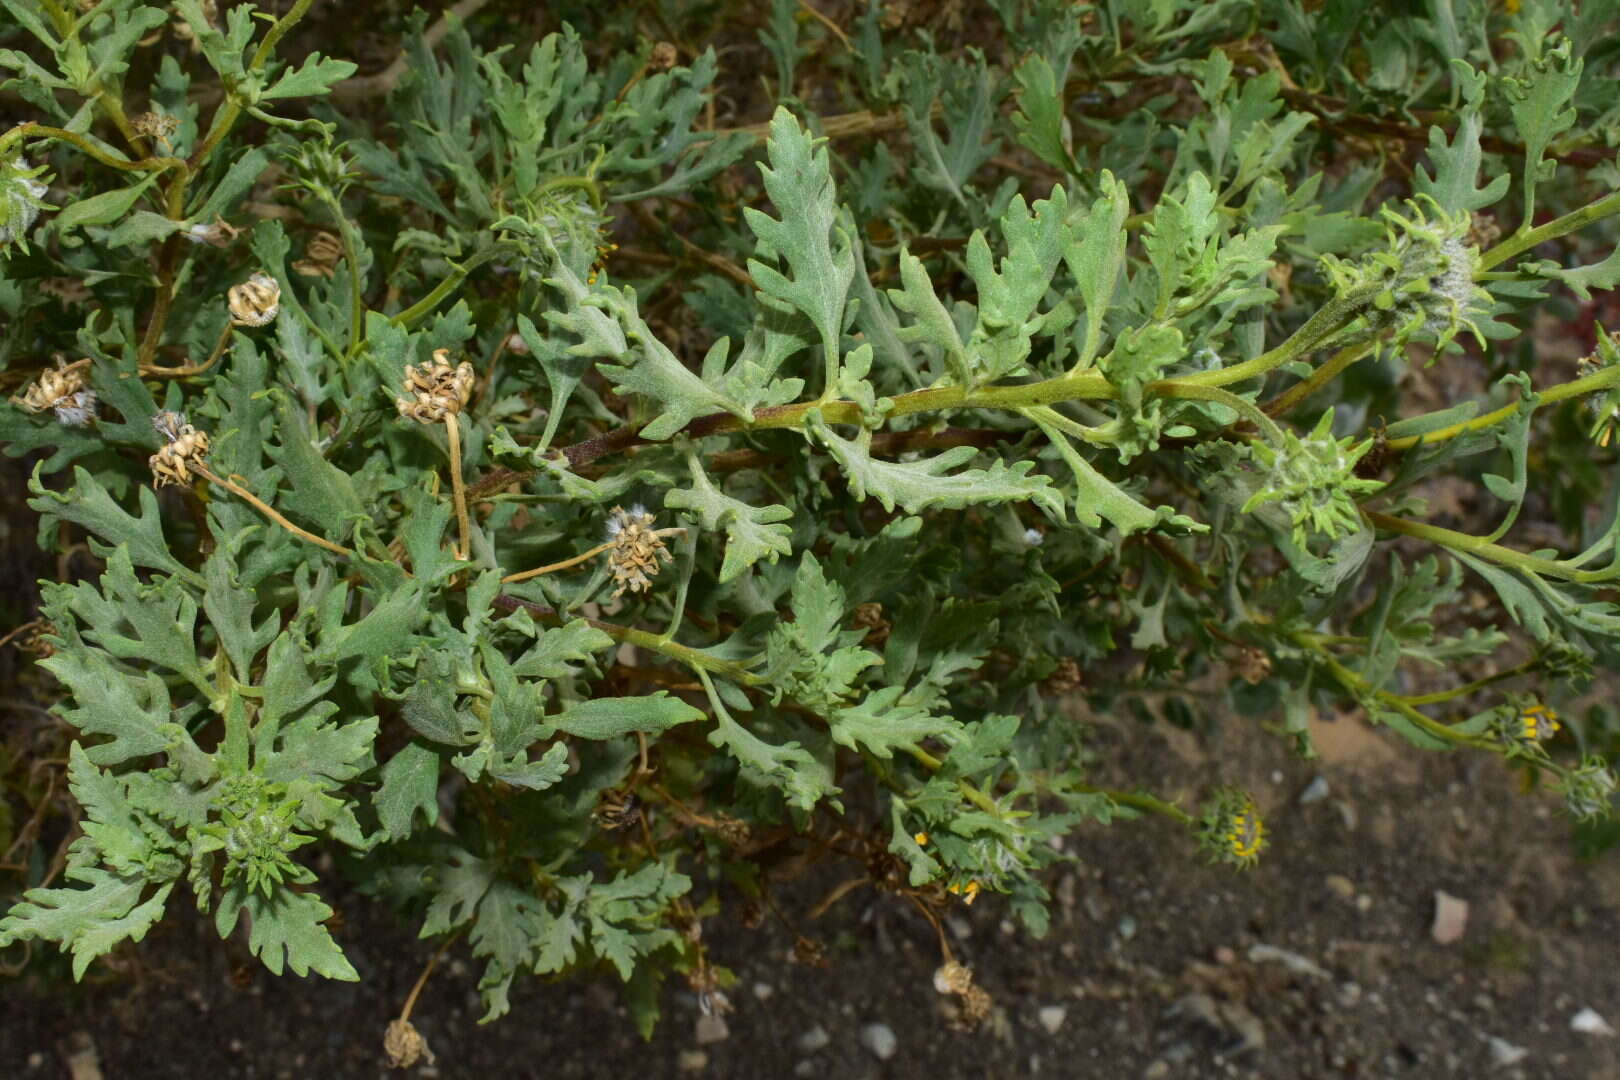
<point x="1318" y="963"/>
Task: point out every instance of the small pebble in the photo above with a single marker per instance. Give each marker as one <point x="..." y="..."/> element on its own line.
<point x="1505" y="1053"/>
<point x="1314" y="792"/>
<point x="805" y="1069"/>
<point x="1052" y="1017"/>
<point x="1450" y="918"/>
<point x="1588" y="1022"/>
<point x="1342" y="886"/>
<point x="879" y="1040"/>
<point x="763" y="991"/>
<point x="814" y="1039"/>
<point x="712" y="1029"/>
<point x="1126" y="928"/>
<point x="1157" y="1071"/>
<point x="692" y="1061"/>
<point x="1363" y="902"/>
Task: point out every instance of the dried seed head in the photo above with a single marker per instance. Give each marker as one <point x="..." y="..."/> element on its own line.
<point x="663" y="57"/>
<point x="321" y="255"/>
<point x="155" y="125"/>
<point x="869" y="617"/>
<point x="436" y="389"/>
<point x="256" y="301"/>
<point x="405" y="1045"/>
<point x="1066" y="678"/>
<point x="636" y="549"/>
<point x="63" y="391"/>
<point x="954" y="978"/>
<point x="219" y="234"/>
<point x="809" y="952"/>
<point x="1253" y="665"/>
<point x="185" y="448"/>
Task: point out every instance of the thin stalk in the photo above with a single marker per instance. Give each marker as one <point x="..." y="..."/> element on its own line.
<point x="1284" y="402"/>
<point x="970" y="791"/>
<point x="351" y="253"/>
<point x="1607" y="379"/>
<point x="452" y="281"/>
<point x="1523" y="241"/>
<point x="269" y="511"/>
<point x="453" y="430"/>
<point x="552" y="568"/>
<point x="1440" y="696"/>
<point x="30" y="129"/>
<point x="1485" y="549"/>
<point x="153" y="371"/>
<point x="1360" y="687"/>
<point x="1141" y="800"/>
<point x="1245" y="408"/>
<point x="227" y="114"/>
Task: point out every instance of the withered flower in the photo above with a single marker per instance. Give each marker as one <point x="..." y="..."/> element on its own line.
<point x="321" y="255"/>
<point x="436" y="389"/>
<point x="61" y="390"/>
<point x="185" y="449"/>
<point x="405" y="1045"/>
<point x="636" y="549"/>
<point x="256" y="301"/>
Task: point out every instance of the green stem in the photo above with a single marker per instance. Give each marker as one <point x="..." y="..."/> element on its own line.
<point x="1173" y="388"/>
<point x="225" y="118"/>
<point x="30" y="130"/>
<point x="351" y="254"/>
<point x="1361" y="688"/>
<point x="1332" y="317"/>
<point x="1284" y="402"/>
<point x="1485" y="549"/>
<point x="1141" y="800"/>
<point x="452" y="281"/>
<point x="1523" y="241"/>
<point x="1607" y="379"/>
<point x="1468" y="688"/>
<point x="970" y="791"/>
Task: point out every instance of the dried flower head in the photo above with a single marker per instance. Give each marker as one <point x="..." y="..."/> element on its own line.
<point x="185" y="448"/>
<point x="869" y="617"/>
<point x="1066" y="678"/>
<point x="636" y="549"/>
<point x="62" y="390"/>
<point x="809" y="952"/>
<point x="405" y="1045"/>
<point x="256" y="301"/>
<point x="220" y="234"/>
<point x="663" y="57"/>
<point x="956" y="979"/>
<point x="155" y="125"/>
<point x="321" y="255"/>
<point x="1253" y="665"/>
<point x="616" y="809"/>
<point x="436" y="389"/>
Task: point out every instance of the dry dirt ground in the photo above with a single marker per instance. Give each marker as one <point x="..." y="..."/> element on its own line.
<point x="1321" y="962"/>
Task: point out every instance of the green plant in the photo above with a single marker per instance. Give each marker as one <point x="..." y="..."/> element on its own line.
<point x="909" y="454"/>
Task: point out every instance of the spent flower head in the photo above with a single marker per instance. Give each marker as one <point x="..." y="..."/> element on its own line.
<point x="63" y="391"/>
<point x="184" y="449"/>
<point x="636" y="550"/>
<point x="435" y="389"/>
<point x="255" y="302"/>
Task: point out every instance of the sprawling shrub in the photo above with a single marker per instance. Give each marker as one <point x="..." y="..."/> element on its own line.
<point x="509" y="478"/>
